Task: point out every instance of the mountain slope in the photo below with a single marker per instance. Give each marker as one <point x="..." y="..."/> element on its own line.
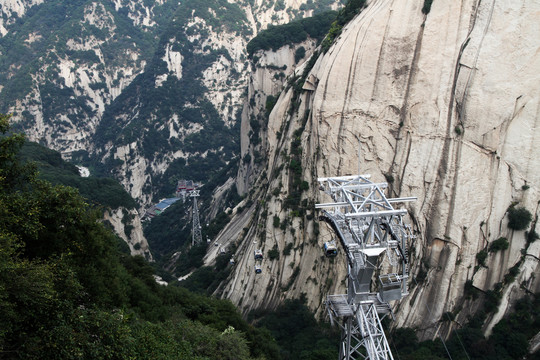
<point x="66" y="291"/>
<point x="442" y="105"/>
<point x="104" y="194"/>
<point x="135" y="89"/>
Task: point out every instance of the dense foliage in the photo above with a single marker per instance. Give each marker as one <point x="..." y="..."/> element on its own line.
<point x="346" y="14"/>
<point x="105" y="192"/>
<point x="519" y="218"/>
<point x="297" y="332"/>
<point x="295" y="32"/>
<point x="509" y="339"/>
<point x="67" y="293"/>
<point x="171" y="231"/>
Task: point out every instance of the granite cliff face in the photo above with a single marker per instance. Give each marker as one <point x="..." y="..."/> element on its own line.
<point x="65" y="75"/>
<point x="443" y="105"/>
<point x="127" y="224"/>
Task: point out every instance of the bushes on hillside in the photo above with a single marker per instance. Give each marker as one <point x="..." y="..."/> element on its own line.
<point x="295" y="32"/>
<point x="66" y="292"/>
<point x="519" y="218"/>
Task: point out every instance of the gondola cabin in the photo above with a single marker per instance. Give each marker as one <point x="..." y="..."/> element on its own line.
<point x="258" y="269"/>
<point x="390" y="287"/>
<point x="258" y="254"/>
<point x="330" y="248"/>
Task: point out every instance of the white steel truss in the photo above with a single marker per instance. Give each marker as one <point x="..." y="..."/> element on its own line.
<point x="362" y="335"/>
<point x="370" y="231"/>
<point x="196" y="229"/>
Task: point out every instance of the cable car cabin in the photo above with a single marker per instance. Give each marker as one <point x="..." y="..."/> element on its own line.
<point x="258" y="269"/>
<point x="390" y="287"/>
<point x="258" y="254"/>
<point x="330" y="248"/>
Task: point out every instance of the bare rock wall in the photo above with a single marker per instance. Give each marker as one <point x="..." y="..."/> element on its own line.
<point x="446" y="104"/>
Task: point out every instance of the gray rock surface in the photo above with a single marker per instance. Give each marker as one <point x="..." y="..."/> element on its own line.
<point x="447" y="105"/>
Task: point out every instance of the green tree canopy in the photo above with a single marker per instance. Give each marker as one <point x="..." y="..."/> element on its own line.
<point x="294" y="32"/>
<point x="66" y="292"/>
<point x="519" y="218"/>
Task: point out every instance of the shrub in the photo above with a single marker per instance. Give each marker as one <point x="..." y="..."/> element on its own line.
<point x="499" y="244"/>
<point x="274" y="253"/>
<point x="481" y="257"/>
<point x="519" y="218"/>
<point x="299" y="54"/>
<point x="512" y="273"/>
<point x="532" y="236"/>
<point x="492" y="300"/>
<point x="276" y="221"/>
<point x="447" y="316"/>
<point x="421" y="276"/>
<point x="427" y="6"/>
<point x="288" y="248"/>
<point x="270" y="102"/>
<point x="470" y="290"/>
<point x="294" y="32"/>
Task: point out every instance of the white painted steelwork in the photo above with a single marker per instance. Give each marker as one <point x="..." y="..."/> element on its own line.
<point x="196" y="229"/>
<point x="368" y="228"/>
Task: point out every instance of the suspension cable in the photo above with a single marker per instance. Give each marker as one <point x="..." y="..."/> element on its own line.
<point x="431" y="315"/>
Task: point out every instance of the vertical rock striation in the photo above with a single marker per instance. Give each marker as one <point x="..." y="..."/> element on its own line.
<point x="127" y="224"/>
<point x="445" y="105"/>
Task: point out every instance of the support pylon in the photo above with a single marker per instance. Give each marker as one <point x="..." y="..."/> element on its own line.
<point x="196" y="230"/>
<point x="370" y="231"/>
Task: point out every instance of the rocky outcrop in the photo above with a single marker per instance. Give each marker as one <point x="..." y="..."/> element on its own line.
<point x="224" y="81"/>
<point x="13" y="9"/>
<point x="445" y="104"/>
<point x="140" y="13"/>
<point x="127" y="225"/>
<point x="79" y="78"/>
<point x="268" y="78"/>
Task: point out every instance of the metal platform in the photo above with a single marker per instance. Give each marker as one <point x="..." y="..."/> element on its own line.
<point x="339" y="306"/>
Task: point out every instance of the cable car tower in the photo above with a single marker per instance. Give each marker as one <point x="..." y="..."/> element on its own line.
<point x="374" y="237"/>
<point x="196" y="230"/>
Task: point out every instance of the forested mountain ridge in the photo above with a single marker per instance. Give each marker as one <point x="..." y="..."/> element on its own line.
<point x="135" y="88"/>
<point x="68" y="291"/>
<point x="104" y="194"/>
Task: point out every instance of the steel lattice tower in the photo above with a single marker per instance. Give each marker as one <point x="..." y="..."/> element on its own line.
<point x="196" y="230"/>
<point x="374" y="238"/>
